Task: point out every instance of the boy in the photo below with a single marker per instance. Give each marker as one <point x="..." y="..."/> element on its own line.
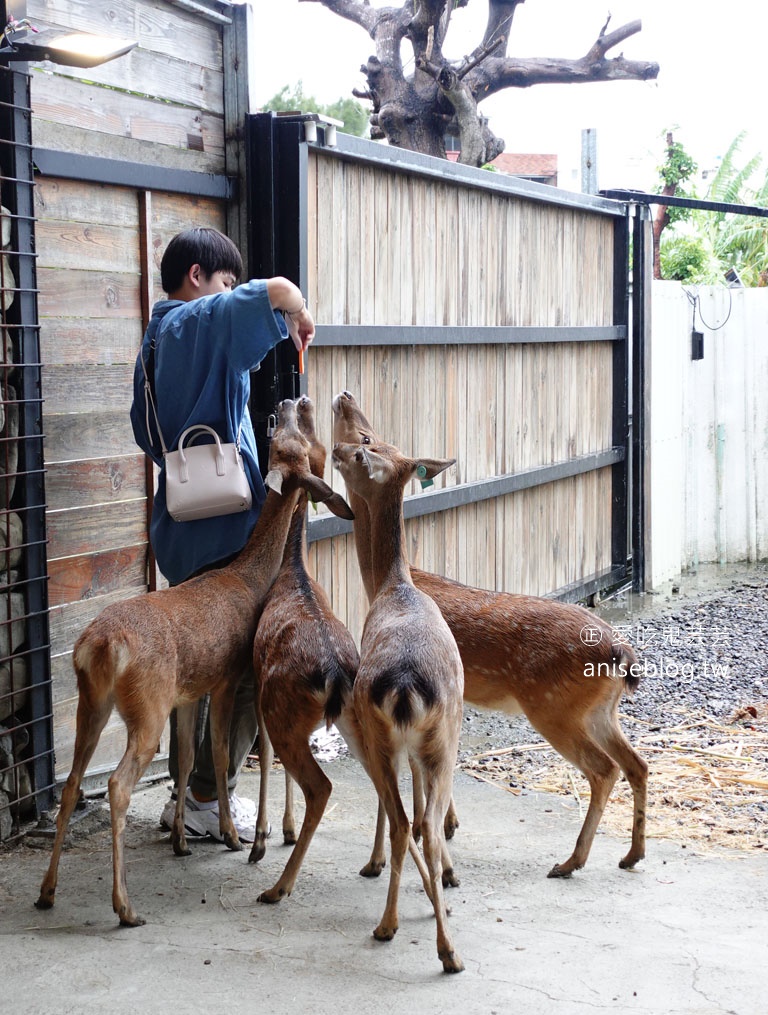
<point x="199" y="349"/>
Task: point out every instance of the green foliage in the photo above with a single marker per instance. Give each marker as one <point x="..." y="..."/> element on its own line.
<point x="676" y="169"/>
<point x="727" y="240"/>
<point x="354" y="116"/>
<point x="685" y="258"/>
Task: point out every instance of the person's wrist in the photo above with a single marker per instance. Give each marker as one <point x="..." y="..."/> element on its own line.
<point x="300" y="310"/>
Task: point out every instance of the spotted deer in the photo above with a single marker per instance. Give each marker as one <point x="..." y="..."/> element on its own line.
<point x="408" y="692"/>
<point x="529" y="654"/>
<point x="168" y="648"/>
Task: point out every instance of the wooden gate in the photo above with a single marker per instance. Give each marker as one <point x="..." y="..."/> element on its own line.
<point x="475" y="316"/>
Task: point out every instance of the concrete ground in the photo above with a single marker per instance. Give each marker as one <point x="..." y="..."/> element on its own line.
<point x="685" y="933"/>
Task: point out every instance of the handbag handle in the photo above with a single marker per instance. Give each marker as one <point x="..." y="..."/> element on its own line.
<point x="150" y="402"/>
<point x="183" y="467"/>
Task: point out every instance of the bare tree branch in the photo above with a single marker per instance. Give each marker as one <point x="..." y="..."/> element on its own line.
<point x="494" y="74"/>
<point x="416" y="110"/>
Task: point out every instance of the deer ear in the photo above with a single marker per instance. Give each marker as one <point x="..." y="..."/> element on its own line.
<point x="428" y="468"/>
<point x="323" y="494"/>
<point x="373" y="464"/>
<point x="274" y="481"/>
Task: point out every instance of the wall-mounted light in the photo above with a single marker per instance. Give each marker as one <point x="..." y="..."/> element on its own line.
<point x="72" y="49"/>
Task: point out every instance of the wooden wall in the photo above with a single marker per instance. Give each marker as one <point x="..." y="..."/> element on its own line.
<point x="165" y="107"/>
<point x="387" y="248"/>
<point x="162" y="103"/>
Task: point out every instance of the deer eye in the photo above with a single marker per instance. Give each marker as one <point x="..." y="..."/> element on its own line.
<point x="365" y="439"/>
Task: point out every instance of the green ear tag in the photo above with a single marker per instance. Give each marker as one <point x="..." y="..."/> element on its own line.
<point x="421" y="471"/>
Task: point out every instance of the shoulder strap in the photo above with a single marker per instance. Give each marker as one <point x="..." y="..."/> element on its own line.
<point x="150" y="398"/>
<point x="149" y="394"/>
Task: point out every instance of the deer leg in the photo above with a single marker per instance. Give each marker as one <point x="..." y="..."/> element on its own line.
<point x="378" y="860"/>
<point x="384" y="777"/>
<point x="349" y="727"/>
<point x="289" y="821"/>
<point x="186" y="719"/>
<point x="142" y="745"/>
<point x="451" y="822"/>
<point x="220" y="719"/>
<point x="266" y="757"/>
<point x="602" y="773"/>
<point x="90" y="723"/>
<point x="316" y="787"/>
<point x="635" y="769"/>
<point x="433" y="833"/>
<point x="418" y="798"/>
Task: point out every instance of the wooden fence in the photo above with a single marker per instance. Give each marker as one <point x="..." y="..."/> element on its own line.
<point x="474" y="317"/>
<point x="127" y="154"/>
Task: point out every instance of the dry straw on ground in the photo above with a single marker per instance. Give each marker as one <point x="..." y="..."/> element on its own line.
<point x="707" y="787"/>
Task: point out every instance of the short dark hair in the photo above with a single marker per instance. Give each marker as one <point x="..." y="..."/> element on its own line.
<point x="209" y="248"/>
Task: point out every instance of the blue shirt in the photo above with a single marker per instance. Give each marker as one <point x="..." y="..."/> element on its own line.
<point x="204" y="352"/>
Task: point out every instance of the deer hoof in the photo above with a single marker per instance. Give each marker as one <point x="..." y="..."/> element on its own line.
<point x="628" y="863"/>
<point x="272" y="896"/>
<point x="451" y="962"/>
<point x="449" y="879"/>
<point x="232" y="842"/>
<point x="373" y="869"/>
<point x="45" y="901"/>
<point x="128" y="918"/>
<point x="559" y="871"/>
<point x="384" y="933"/>
<point x="258" y="851"/>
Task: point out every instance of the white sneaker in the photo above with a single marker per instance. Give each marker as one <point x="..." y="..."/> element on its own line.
<point x="203" y="818"/>
<point x="169" y="813"/>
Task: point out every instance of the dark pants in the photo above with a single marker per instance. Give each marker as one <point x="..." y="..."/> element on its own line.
<point x="242" y="734"/>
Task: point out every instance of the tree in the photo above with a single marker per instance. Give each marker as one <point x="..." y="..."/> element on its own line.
<point x="416" y="110"/>
<point x="352" y="114"/>
<point x="678" y="167"/>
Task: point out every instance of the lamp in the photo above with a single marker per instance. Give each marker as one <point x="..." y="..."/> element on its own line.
<point x="73" y="49"/>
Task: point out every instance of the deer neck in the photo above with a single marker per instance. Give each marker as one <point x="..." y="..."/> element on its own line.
<point x="389" y="561"/>
<point x="259" y="560"/>
<point x="362" y="530"/>
<point x="295" y="555"/>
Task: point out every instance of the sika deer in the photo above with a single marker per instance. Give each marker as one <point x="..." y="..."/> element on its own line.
<point x="408" y="692"/>
<point x="305" y="662"/>
<point x="526" y="654"/>
<point x="169" y="648"/>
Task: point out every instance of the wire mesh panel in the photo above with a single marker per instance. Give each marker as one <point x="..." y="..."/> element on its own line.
<point x="26" y="748"/>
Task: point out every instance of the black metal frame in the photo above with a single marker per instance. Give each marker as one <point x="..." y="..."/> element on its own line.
<point x="276" y="180"/>
<point x="275" y="172"/>
<point x="36" y="720"/>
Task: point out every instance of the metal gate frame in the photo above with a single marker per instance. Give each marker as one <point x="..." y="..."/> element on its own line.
<point x="277" y="155"/>
<point x="30" y="731"/>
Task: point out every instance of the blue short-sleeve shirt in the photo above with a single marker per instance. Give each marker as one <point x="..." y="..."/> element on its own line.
<point x="204" y="352"/>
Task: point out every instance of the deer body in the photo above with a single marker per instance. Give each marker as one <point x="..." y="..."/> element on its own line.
<point x="169" y="648"/>
<point x="526" y="654"/>
<point x="305" y="662"/>
<point x="407" y="696"/>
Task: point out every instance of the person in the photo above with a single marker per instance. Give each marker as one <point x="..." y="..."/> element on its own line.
<point x="199" y="349"/>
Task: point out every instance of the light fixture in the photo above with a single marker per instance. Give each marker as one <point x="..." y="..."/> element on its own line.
<point x="72" y="49"/>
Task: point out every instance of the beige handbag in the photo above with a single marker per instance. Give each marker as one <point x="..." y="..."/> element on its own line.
<point x="205" y="480"/>
<point x="202" y="480"/>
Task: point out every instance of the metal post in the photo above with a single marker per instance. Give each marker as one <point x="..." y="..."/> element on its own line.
<point x="642" y="253"/>
<point x="620" y="423"/>
<point x="589" y="161"/>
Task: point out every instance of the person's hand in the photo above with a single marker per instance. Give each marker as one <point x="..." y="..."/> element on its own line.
<point x="301" y="327"/>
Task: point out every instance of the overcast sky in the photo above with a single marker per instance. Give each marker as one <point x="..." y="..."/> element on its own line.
<point x="711" y="84"/>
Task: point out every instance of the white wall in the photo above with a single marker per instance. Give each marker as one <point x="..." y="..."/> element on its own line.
<point x="708" y="429"/>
